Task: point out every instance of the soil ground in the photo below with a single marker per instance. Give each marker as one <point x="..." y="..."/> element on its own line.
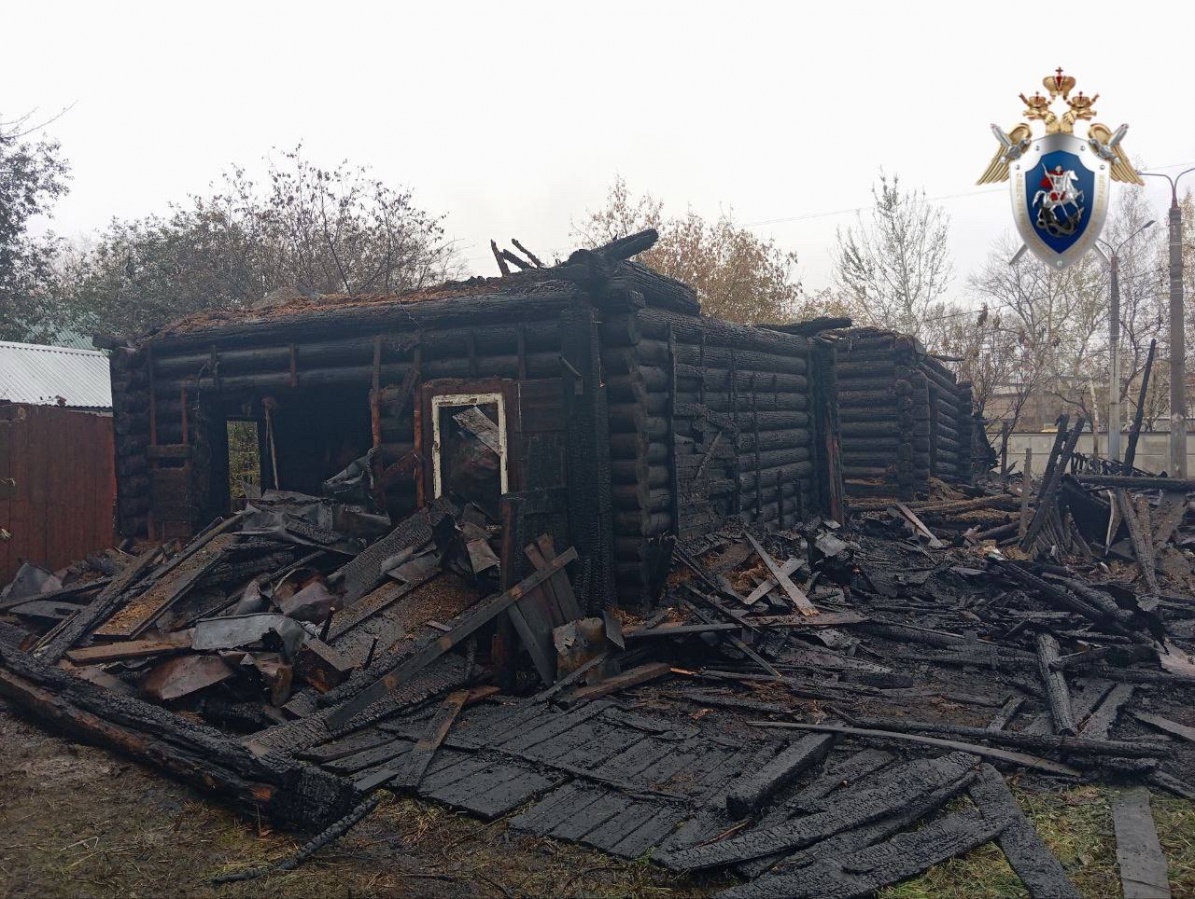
<point x="78" y="821"/>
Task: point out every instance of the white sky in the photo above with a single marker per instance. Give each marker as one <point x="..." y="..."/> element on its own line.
<point x="513" y="118"/>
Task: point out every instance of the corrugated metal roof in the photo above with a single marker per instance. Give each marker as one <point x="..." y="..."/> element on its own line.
<point x="54" y="376"/>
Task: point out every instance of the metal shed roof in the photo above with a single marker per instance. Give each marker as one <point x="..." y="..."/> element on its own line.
<point x="54" y="376"/>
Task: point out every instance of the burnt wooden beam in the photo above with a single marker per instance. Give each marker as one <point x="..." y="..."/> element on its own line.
<point x="1130" y="452"/>
<point x="754" y="789"/>
<point x="1173" y="728"/>
<point x="1046" y="502"/>
<point x="73" y="590"/>
<point x="422" y="752"/>
<point x="794" y="593"/>
<point x="1054" y="681"/>
<point x="632" y="678"/>
<point x="292" y="794"/>
<point x="1135" y="483"/>
<point x="1077" y="746"/>
<point x="526" y="252"/>
<point x="1004" y="755"/>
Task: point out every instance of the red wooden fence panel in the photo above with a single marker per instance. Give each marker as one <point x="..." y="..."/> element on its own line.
<point x="57" y="486"/>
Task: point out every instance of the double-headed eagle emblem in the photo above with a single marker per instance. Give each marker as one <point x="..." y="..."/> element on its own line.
<point x="1060" y="180"/>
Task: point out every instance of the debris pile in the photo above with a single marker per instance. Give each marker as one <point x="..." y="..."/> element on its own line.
<point x="823" y="709"/>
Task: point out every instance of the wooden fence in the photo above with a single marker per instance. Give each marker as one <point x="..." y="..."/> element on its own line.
<point x="57" y="486"/>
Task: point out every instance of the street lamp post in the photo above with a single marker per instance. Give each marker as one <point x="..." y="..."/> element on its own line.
<point x="1178" y="352"/>
<point x="1114" y="346"/>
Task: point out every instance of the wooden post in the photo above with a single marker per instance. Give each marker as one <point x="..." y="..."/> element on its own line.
<point x="1026" y="489"/>
<point x="375" y="394"/>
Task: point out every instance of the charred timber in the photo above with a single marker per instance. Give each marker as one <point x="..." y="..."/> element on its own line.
<point x="354" y="319"/>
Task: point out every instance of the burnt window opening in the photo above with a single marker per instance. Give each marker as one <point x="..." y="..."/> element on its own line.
<point x="469" y="449"/>
<point x="244" y="459"/>
<point x="314" y="433"/>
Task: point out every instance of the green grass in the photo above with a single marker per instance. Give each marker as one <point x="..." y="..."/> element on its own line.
<point x="1077" y="825"/>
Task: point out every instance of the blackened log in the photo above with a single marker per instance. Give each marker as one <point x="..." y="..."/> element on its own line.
<point x="1054" y="681"/>
<point x="1046" y="501"/>
<point x="1130" y="452"/>
<point x="889" y="736"/>
<point x="1060" y="434"/>
<point x="502" y="306"/>
<point x="719" y="333"/>
<point x="1027" y="854"/>
<point x="1076" y="746"/>
<point x="292" y="794"/>
<point x="754" y="789"/>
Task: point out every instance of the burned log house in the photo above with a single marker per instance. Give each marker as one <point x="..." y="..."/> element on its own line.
<point x="615" y="415"/>
<point x="904" y="417"/>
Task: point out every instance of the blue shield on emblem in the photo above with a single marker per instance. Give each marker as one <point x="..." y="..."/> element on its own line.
<point x="1060" y="198"/>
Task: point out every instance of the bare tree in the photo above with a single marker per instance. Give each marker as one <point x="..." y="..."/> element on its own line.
<point x="1051" y="325"/>
<point x="894" y="265"/>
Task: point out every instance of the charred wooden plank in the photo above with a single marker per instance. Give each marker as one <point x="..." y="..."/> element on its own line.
<point x="1138" y="852"/>
<point x="1046" y="502"/>
<point x="631" y="678"/>
<point x="755" y="788"/>
<point x="1016" y="758"/>
<point x="61" y="639"/>
<point x="1028" y="855"/>
<point x="135" y="649"/>
<point x="1099" y="724"/>
<point x="919" y="525"/>
<point x="1140" y="538"/>
<point x="1166" y="726"/>
<point x="799" y="599"/>
<point x="467" y="623"/>
<point x="857" y="807"/>
<point x="1007" y="712"/>
<point x="54" y="595"/>
<point x="1038" y="742"/>
<point x="862" y="872"/>
<point x="137" y="615"/>
<point x="1136" y="483"/>
<point x="421" y="754"/>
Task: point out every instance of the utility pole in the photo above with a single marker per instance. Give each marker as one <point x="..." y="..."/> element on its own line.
<point x="1178" y="350"/>
<point x="1114" y="346"/>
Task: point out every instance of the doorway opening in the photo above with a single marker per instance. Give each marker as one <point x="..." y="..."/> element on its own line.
<point x="469" y="449"/>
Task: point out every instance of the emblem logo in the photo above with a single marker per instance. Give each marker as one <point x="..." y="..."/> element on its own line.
<point x="1060" y="181"/>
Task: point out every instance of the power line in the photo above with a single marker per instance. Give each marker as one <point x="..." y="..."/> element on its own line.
<point x="820" y="215"/>
<point x="937" y="199"/>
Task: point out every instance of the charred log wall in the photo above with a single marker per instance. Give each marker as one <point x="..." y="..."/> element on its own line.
<point x="172" y="395"/>
<point x="904" y="417"/>
<point x="708" y="420"/>
<point x="131" y="391"/>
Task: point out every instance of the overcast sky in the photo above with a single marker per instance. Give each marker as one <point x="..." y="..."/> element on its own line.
<point x="513" y="119"/>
